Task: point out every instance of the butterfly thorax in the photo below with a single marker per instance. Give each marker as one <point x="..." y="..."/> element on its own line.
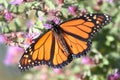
<point x="58" y="34"/>
<point x="56" y="28"/>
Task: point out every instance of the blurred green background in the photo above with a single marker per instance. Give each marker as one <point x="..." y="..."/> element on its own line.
<point x="103" y="58"/>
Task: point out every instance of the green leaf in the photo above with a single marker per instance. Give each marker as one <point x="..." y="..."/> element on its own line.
<point x="50" y="4"/>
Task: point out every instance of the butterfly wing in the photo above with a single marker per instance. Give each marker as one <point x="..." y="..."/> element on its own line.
<point x="78" y="32"/>
<point x="47" y="49"/>
<point x="38" y="52"/>
<point x="60" y="57"/>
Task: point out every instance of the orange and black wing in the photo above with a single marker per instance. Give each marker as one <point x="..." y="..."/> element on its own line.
<point x="60" y="57"/>
<point x="47" y="49"/>
<point x="78" y="32"/>
<point x="38" y="52"/>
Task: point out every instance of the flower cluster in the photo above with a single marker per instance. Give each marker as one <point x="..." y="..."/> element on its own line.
<point x="13" y="55"/>
<point x="114" y="76"/>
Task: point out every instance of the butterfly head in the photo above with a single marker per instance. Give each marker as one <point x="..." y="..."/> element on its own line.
<point x="54" y="22"/>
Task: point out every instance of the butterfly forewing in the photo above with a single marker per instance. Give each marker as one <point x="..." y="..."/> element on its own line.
<point x="78" y="32"/>
<point x="38" y="52"/>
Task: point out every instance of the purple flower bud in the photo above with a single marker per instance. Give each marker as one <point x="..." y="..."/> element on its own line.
<point x="83" y="11"/>
<point x="30" y="23"/>
<point x="16" y="2"/>
<point x="72" y="10"/>
<point x="47" y="26"/>
<point x="7" y="15"/>
<point x="114" y="76"/>
<point x="58" y="71"/>
<point x="56" y="20"/>
<point x="117" y="75"/>
<point x="111" y="77"/>
<point x="110" y="1"/>
<point x="40" y="18"/>
<point x="87" y="60"/>
<point x="99" y="2"/>
<point x="1" y="7"/>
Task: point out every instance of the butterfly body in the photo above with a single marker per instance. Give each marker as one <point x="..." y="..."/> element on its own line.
<point x="58" y="34"/>
<point x="63" y="42"/>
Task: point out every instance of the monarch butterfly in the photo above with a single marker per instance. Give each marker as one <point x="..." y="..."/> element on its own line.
<point x="59" y="45"/>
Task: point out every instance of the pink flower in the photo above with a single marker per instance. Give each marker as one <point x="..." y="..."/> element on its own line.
<point x="28" y="40"/>
<point x="16" y="2"/>
<point x="83" y="11"/>
<point x="30" y="23"/>
<point x="114" y="76"/>
<point x="13" y="55"/>
<point x="79" y="76"/>
<point x="40" y="18"/>
<point x="110" y="1"/>
<point x="50" y="23"/>
<point x="117" y="75"/>
<point x="58" y="71"/>
<point x="20" y="34"/>
<point x="73" y="10"/>
<point x="7" y="15"/>
<point x="30" y="37"/>
<point x="3" y="39"/>
<point x="47" y="26"/>
<point x="111" y="77"/>
<point x="43" y="76"/>
<point x="87" y="60"/>
<point x="56" y="20"/>
<point x="1" y="7"/>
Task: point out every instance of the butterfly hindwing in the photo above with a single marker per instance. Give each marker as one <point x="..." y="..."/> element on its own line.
<point x="77" y="46"/>
<point x="60" y="56"/>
